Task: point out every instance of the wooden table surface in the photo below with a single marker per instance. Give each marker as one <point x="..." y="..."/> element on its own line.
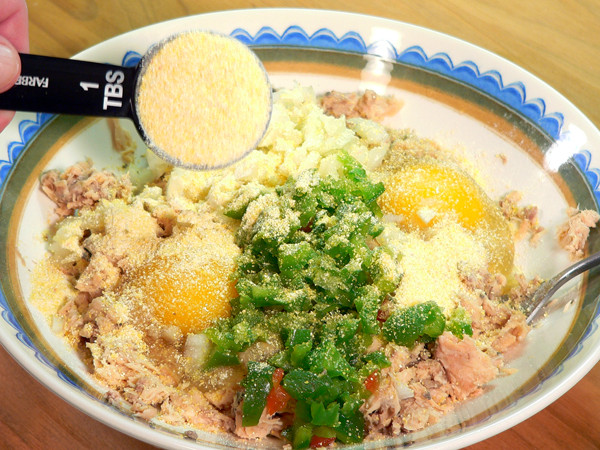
<point x="559" y="41"/>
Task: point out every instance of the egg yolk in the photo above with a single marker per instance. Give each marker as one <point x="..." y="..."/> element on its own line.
<point x="424" y="193"/>
<point x="188" y="295"/>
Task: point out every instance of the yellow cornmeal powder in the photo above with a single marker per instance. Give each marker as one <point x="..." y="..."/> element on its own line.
<point x="432" y="267"/>
<point x="203" y="99"/>
<point x="50" y="289"/>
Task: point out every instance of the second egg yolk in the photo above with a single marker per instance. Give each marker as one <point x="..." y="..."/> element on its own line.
<point x="191" y="298"/>
<point x="424" y="193"/>
<point x="187" y="283"/>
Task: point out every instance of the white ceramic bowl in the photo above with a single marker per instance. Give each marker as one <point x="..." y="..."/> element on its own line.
<point x="454" y="92"/>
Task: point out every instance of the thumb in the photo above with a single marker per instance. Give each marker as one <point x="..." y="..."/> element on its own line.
<point x="10" y="64"/>
<point x="10" y="68"/>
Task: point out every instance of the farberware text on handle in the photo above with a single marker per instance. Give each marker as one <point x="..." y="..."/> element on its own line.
<point x="69" y="86"/>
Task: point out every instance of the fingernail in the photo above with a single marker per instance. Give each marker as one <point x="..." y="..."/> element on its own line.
<point x="9" y="66"/>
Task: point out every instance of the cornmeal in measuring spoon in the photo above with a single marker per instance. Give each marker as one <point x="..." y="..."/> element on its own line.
<point x="203" y="100"/>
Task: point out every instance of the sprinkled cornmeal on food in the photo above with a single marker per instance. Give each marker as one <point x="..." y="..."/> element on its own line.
<point x="187" y="281"/>
<point x="344" y="282"/>
<point x="203" y="99"/>
<point x="420" y="263"/>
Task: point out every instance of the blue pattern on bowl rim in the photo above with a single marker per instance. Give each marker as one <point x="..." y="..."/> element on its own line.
<point x="27" y="130"/>
<point x="513" y="95"/>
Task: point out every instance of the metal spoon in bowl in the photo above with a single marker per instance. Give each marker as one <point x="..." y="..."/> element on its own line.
<point x="199" y="99"/>
<point x="548" y="288"/>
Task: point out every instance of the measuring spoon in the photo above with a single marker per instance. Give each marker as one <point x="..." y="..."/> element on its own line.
<point x="70" y="86"/>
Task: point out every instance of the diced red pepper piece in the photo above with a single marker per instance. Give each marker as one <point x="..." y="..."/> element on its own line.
<point x="318" y="441"/>
<point x="372" y="382"/>
<point x="278" y="376"/>
<point x="278" y="397"/>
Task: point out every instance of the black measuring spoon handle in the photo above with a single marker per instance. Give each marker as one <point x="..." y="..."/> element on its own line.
<point x="70" y="86"/>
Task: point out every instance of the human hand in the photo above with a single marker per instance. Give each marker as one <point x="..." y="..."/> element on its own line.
<point x="14" y="38"/>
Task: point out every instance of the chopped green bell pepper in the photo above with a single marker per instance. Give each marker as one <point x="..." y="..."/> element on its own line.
<point x="423" y="321"/>
<point x="305" y="385"/>
<point x="459" y="323"/>
<point x="302" y="435"/>
<point x="351" y="429"/>
<point x="220" y="357"/>
<point x="257" y="385"/>
<point x="320" y="415"/>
